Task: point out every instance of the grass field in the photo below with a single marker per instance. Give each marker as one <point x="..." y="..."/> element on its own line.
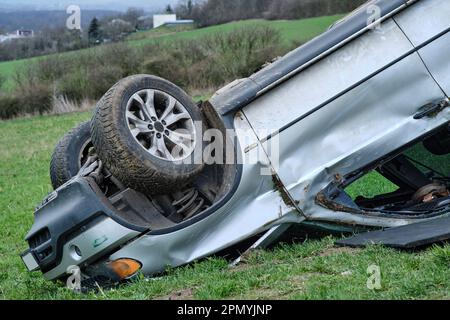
<point x="297" y="31"/>
<point x="291" y="30"/>
<point x="7" y="70"/>
<point x="314" y="269"/>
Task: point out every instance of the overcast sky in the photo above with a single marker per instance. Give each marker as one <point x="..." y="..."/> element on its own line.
<point x="84" y="4"/>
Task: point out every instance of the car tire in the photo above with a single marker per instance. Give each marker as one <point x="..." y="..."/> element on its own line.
<point x="70" y="154"/>
<point x="135" y="128"/>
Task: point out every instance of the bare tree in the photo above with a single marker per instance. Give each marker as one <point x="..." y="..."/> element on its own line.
<point x="210" y="12"/>
<point x="132" y="16"/>
<point x="169" y="9"/>
<point x="117" y="29"/>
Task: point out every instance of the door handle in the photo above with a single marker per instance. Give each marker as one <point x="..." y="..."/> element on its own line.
<point x="431" y="109"/>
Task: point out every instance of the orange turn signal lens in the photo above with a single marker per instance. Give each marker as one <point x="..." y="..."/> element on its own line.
<point x="125" y="268"/>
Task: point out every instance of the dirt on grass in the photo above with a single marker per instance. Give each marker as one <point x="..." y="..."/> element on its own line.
<point x="186" y="294"/>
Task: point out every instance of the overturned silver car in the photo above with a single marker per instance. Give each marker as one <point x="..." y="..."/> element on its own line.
<point x="136" y="193"/>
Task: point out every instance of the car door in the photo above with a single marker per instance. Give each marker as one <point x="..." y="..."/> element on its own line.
<point x="344" y="112"/>
<point x="427" y="26"/>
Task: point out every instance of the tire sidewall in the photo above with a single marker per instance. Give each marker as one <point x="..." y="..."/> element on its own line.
<point x="75" y="149"/>
<point x="65" y="162"/>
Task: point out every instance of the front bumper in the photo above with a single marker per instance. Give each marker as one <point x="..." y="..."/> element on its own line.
<point x="74" y="226"/>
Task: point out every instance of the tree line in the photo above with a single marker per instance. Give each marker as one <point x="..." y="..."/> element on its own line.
<point x="59" y="39"/>
<point x="204" y="12"/>
<point x="211" y="12"/>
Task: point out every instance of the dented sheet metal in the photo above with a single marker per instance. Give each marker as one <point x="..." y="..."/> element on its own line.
<point x="324" y="81"/>
<point x="366" y="126"/>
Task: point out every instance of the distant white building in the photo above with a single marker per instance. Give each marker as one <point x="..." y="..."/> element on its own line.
<point x="25" y="33"/>
<point x="168" y="20"/>
<point x="161" y="19"/>
<point x="19" y="34"/>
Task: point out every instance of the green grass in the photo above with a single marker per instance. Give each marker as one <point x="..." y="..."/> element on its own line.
<point x="159" y="32"/>
<point x="374" y="184"/>
<point x="297" y="31"/>
<point x="7" y="70"/>
<point x="371" y="185"/>
<point x="311" y="270"/>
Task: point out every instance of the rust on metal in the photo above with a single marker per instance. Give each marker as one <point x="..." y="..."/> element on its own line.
<point x="279" y="186"/>
<point x="324" y="201"/>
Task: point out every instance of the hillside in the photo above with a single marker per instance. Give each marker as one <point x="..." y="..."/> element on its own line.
<point x="298" y="31"/>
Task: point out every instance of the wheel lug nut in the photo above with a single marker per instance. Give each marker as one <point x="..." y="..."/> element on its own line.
<point x="154" y="119"/>
<point x="150" y="127"/>
<point x="159" y="136"/>
<point x="163" y="122"/>
<point x="167" y="133"/>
